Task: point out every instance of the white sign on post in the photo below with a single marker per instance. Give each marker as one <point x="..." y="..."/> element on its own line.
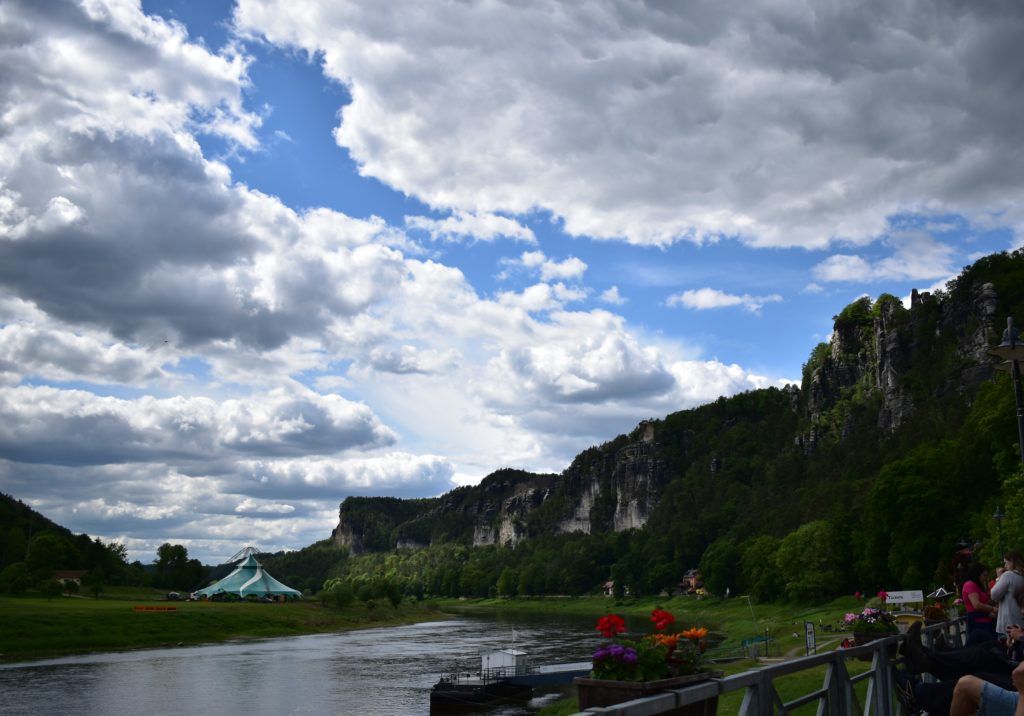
<point x="809" y="638"/>
<point x="906" y="597"/>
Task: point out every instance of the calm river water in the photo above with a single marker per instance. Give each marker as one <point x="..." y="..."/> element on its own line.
<point x="375" y="671"/>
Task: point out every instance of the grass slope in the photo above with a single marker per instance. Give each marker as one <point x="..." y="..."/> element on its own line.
<point x="32" y="627"/>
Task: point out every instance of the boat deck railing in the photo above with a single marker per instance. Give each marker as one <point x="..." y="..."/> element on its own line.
<point x="842" y="694"/>
<point x="487" y="676"/>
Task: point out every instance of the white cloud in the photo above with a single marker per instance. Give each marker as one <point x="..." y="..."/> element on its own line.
<point x="624" y="121"/>
<point x="613" y="297"/>
<point x="915" y="256"/>
<point x="536" y="263"/>
<point x="463" y="225"/>
<point x="60" y="355"/>
<point x="703" y="299"/>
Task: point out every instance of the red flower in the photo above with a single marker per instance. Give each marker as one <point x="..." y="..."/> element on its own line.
<point x="611" y="624"/>
<point x="662" y="619"/>
<point x="857" y="595"/>
<point x="883" y="594"/>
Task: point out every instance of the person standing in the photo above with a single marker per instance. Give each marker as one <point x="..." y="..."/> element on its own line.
<point x="981" y="613"/>
<point x="1006" y="590"/>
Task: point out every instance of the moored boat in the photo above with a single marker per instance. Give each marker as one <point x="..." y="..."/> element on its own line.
<point x="495" y="683"/>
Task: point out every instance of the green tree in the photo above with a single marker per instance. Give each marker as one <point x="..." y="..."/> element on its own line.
<point x="508" y="582"/>
<point x="46" y="553"/>
<point x="50" y="588"/>
<point x="14" y="579"/>
<point x="718" y="566"/>
<point x="15" y="547"/>
<point x="761" y="577"/>
<point x="907" y="526"/>
<point x="808" y="560"/>
<point x="95" y="581"/>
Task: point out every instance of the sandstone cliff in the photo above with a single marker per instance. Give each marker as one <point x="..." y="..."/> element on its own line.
<point x="882" y="363"/>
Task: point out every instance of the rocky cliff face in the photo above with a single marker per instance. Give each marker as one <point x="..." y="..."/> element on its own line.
<point x="893" y="351"/>
<point x="615" y="486"/>
<point x="882" y="361"/>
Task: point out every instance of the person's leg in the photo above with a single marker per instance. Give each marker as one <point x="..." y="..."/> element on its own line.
<point x="936" y="698"/>
<point x="966" y="696"/>
<point x="976" y="696"/>
<point x="952" y="664"/>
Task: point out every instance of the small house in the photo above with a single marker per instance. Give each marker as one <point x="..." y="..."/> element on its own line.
<point x="70" y="575"/>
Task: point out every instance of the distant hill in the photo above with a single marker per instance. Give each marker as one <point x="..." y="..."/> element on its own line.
<point x="16" y="516"/>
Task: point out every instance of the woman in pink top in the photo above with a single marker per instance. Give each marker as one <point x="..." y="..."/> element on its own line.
<point x="981" y="625"/>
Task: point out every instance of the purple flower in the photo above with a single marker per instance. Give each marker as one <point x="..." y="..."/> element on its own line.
<point x="629" y="655"/>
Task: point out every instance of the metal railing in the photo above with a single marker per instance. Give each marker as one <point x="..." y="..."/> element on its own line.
<point x="838" y="695"/>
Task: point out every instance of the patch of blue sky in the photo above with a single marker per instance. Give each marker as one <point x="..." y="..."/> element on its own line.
<point x="208" y="21"/>
<point x="319" y="380"/>
<point x="192" y="367"/>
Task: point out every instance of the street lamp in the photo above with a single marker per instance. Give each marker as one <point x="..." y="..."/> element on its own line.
<point x="998" y="517"/>
<point x="1011" y="352"/>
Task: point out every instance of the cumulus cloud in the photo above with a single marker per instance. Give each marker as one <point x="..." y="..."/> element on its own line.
<point x="462" y="225"/>
<point x="536" y="263"/>
<point x="915" y="255"/>
<point x="702" y="299"/>
<point x="612" y="296"/>
<point x="625" y="121"/>
<point x="73" y="427"/>
<point x="389" y="474"/>
<point x="60" y="355"/>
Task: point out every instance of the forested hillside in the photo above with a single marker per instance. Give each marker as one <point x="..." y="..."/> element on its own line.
<point x="896" y="448"/>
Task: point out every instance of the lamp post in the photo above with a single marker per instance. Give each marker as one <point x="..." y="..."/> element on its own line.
<point x="1011" y="352"/>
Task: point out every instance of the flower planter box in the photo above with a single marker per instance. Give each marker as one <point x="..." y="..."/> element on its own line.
<point x="860" y="639"/>
<point x="603" y="692"/>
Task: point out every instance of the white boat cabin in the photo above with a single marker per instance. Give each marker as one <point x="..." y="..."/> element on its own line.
<point x="507" y="662"/>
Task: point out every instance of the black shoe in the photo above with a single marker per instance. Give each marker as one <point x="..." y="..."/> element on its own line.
<point x="915" y="656"/>
<point x="904" y="687"/>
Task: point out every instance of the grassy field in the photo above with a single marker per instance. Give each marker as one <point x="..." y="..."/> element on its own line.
<point x="732" y="620"/>
<point x="32" y="627"/>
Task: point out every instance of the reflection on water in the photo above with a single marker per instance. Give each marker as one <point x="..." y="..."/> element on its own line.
<point x="375" y="671"/>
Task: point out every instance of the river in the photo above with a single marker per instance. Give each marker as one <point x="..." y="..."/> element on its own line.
<point x="386" y="671"/>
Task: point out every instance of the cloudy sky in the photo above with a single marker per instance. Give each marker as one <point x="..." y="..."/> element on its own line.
<point x="259" y="255"/>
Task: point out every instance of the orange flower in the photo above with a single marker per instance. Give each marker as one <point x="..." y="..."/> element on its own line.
<point x="696" y="633"/>
<point x="668" y="640"/>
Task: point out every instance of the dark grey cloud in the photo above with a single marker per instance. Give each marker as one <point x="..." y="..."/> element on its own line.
<point x="51" y="426"/>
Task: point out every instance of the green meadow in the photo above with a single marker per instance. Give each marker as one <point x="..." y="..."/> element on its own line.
<point x="34" y="627"/>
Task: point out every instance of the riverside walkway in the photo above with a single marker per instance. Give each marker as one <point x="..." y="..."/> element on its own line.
<point x="841" y="694"/>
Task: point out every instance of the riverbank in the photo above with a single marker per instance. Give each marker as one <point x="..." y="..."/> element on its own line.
<point x="34" y="627"/>
<point x="736" y="620"/>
